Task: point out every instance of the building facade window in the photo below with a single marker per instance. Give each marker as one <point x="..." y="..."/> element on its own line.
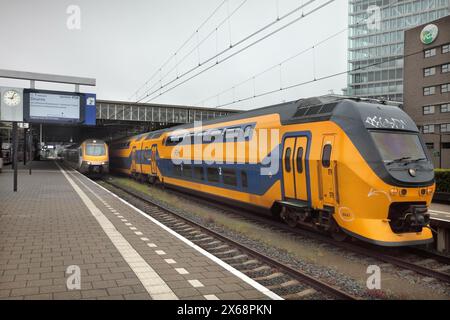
<point x="445" y="88"/>
<point x="429" y="71"/>
<point x="445" y="107"/>
<point x="446" y="48"/>
<point x="428" y="91"/>
<point x="445" y="68"/>
<point x="428" y="128"/>
<point x="430" y="53"/>
<point x="428" y="109"/>
<point x="445" y="127"/>
<point x="446" y="145"/>
<point x="430" y="145"/>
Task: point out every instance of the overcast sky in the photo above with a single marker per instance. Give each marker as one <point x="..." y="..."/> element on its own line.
<point x="123" y="43"/>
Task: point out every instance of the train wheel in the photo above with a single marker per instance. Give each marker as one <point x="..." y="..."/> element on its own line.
<point x="336" y="232"/>
<point x="289" y="217"/>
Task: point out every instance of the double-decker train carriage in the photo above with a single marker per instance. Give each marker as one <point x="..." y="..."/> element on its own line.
<point x="91" y="157"/>
<point x="350" y="167"/>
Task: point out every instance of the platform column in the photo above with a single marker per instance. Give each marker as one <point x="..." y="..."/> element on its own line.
<point x="14" y="158"/>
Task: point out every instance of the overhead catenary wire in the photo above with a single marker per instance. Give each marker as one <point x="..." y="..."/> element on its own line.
<point x="303" y="51"/>
<point x="274" y="66"/>
<point x="244" y="39"/>
<point x="193" y="49"/>
<point x="316" y="79"/>
<point x="181" y="47"/>
<point x="235" y="53"/>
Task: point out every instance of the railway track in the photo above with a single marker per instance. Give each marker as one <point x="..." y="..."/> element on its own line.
<point x="422" y="262"/>
<point x="284" y="280"/>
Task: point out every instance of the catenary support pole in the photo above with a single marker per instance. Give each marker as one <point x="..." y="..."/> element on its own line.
<point x="14" y="159"/>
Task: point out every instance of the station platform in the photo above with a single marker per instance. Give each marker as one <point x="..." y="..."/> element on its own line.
<point x="440" y="211"/>
<point x="62" y="236"/>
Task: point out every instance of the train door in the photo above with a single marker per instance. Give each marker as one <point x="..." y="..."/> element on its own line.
<point x="294" y="168"/>
<point x="153" y="159"/>
<point x="299" y="161"/>
<point x="326" y="172"/>
<point x="288" y="170"/>
<point x="133" y="159"/>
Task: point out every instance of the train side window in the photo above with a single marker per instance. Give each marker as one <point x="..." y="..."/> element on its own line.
<point x="300" y="160"/>
<point x="229" y="177"/>
<point x="177" y="170"/>
<point x="244" y="179"/>
<point x="287" y="159"/>
<point x="248" y="132"/>
<point x="326" y="155"/>
<point x="187" y="170"/>
<point x="213" y="174"/>
<point x="198" y="173"/>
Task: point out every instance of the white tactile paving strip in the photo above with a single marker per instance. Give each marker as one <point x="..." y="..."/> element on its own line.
<point x="182" y="271"/>
<point x="152" y="282"/>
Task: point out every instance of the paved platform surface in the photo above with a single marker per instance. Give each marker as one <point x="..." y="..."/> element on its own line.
<point x="440" y="211"/>
<point x="60" y="221"/>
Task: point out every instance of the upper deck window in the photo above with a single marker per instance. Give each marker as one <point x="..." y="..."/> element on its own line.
<point x="95" y="150"/>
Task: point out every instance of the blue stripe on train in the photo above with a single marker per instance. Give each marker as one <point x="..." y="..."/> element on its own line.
<point x="258" y="184"/>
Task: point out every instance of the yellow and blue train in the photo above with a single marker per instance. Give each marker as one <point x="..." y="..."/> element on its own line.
<point x="348" y="166"/>
<point x="91" y="157"/>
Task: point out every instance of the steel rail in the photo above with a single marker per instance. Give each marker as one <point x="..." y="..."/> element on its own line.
<point x="360" y="249"/>
<point x="294" y="273"/>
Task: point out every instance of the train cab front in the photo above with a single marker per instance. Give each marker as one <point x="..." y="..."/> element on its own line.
<point x="411" y="176"/>
<point x="397" y="179"/>
<point x="95" y="161"/>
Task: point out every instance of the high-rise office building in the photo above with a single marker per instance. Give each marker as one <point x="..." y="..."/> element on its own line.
<point x="427" y="85"/>
<point x="375" y="46"/>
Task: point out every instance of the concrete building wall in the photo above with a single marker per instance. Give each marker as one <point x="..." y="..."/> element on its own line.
<point x="429" y="111"/>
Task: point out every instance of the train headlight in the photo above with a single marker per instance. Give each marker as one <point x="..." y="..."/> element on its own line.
<point x="88" y="163"/>
<point x="430" y="190"/>
<point x="394" y="191"/>
<point x="412" y="172"/>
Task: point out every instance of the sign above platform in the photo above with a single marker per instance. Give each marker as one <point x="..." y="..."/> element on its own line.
<point x="43" y="106"/>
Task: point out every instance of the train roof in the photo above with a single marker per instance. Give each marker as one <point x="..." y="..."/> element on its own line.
<point x="343" y="109"/>
<point x="93" y="141"/>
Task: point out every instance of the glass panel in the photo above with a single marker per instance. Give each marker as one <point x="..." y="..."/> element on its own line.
<point x="95" y="150"/>
<point x="394" y="146"/>
<point x="229" y="177"/>
<point x="213" y="174"/>
<point x="326" y="155"/>
<point x="300" y="160"/>
<point x="287" y="160"/>
<point x="244" y="179"/>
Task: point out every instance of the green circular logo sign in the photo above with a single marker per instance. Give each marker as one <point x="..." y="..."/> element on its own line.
<point x="429" y="33"/>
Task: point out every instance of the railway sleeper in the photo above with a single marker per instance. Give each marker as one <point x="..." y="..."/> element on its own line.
<point x="270" y="276"/>
<point x="301" y="294"/>
<point x="240" y="256"/>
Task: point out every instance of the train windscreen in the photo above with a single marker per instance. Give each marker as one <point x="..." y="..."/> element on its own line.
<point x="398" y="146"/>
<point x="95" y="150"/>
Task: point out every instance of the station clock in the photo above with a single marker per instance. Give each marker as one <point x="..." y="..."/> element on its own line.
<point x="12" y="97"/>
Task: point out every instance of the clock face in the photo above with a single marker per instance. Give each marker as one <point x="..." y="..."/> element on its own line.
<point x="11" y="97"/>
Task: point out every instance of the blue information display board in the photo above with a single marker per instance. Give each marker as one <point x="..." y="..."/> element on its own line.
<point x="59" y="107"/>
<point x="43" y="106"/>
